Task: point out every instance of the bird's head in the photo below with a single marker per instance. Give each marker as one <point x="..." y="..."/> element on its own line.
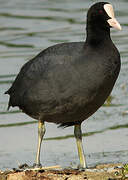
<point x="102" y="14"/>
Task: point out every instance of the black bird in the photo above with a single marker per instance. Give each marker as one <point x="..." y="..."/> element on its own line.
<point x="66" y="83"/>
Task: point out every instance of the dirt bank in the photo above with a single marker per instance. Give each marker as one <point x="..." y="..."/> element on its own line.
<point x="100" y="172"/>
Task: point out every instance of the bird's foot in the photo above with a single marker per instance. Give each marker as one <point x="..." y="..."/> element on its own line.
<point x="81" y="168"/>
<point x="35" y="165"/>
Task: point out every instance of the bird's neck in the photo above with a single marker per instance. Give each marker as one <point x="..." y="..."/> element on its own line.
<point x="96" y="35"/>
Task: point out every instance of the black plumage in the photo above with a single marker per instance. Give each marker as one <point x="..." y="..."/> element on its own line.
<point x="66" y="83"/>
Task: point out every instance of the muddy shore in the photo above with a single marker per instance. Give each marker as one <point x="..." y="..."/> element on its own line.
<point x="100" y="172"/>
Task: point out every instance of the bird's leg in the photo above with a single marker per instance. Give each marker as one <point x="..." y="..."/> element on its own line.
<point x="41" y="132"/>
<point x="78" y="136"/>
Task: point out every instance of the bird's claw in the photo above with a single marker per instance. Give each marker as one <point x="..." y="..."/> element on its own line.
<point x="81" y="168"/>
<point x="37" y="165"/>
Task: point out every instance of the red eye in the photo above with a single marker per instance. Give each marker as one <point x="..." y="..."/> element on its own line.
<point x="100" y="11"/>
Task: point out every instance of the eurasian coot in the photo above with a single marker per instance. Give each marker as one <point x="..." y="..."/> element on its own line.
<point x="68" y="82"/>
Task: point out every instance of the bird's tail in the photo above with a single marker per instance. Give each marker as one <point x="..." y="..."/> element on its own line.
<point x="9" y="104"/>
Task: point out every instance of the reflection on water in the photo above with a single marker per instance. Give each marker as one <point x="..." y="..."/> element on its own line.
<point x="27" y="27"/>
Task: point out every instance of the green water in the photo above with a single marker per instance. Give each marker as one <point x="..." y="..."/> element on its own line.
<point x="27" y="27"/>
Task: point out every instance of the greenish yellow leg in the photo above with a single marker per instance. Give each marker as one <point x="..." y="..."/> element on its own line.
<point x="41" y="132"/>
<point x="78" y="136"/>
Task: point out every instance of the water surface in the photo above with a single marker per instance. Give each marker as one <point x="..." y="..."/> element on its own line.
<point x="27" y="27"/>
